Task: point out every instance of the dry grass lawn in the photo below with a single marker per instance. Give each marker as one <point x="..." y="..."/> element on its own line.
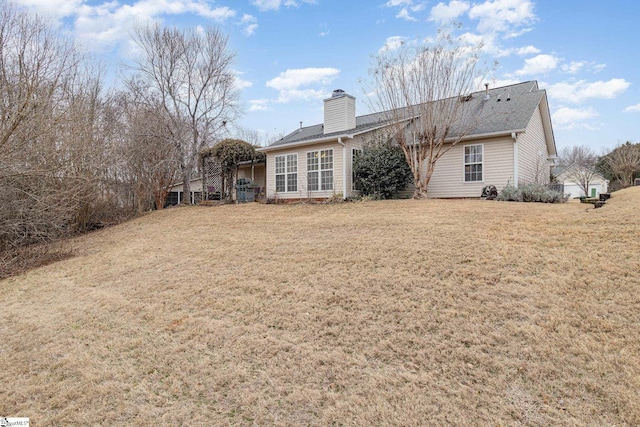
<point x="460" y="312"/>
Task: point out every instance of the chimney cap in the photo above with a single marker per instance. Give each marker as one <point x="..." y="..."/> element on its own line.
<point x="337" y="92"/>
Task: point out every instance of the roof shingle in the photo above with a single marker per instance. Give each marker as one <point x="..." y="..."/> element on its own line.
<point x="509" y="109"/>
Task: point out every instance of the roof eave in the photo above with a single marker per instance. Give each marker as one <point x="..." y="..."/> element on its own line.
<point x="350" y="135"/>
<point x="304" y="142"/>
<point x="548" y="126"/>
<point x="488" y="135"/>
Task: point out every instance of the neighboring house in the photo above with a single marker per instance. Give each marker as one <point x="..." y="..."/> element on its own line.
<point x="253" y="171"/>
<point x="176" y="194"/>
<point x="566" y="176"/>
<point x="512" y="143"/>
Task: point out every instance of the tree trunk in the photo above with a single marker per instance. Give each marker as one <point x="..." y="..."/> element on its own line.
<point x="422" y="186"/>
<point x="186" y="184"/>
<point x="161" y="197"/>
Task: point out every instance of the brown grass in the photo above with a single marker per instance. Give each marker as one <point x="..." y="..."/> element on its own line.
<point x="405" y="313"/>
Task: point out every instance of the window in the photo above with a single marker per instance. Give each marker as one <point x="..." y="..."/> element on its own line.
<point x="320" y="170"/>
<point x="287" y="173"/>
<point x="313" y="166"/>
<point x="473" y="163"/>
<point x="280" y="173"/>
<point x="355" y="152"/>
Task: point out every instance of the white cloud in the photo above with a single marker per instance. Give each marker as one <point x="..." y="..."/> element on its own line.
<point x="479" y="82"/>
<point x="573" y="67"/>
<point x="259" y="105"/>
<point x="471" y="39"/>
<point x="444" y="13"/>
<point x="250" y="22"/>
<point x="104" y="25"/>
<point x="503" y="82"/>
<point x="518" y="33"/>
<point x="632" y="109"/>
<point x="54" y="9"/>
<point x="503" y="15"/>
<point x="539" y="64"/>
<point x="581" y="90"/>
<point x="572" y="118"/>
<point x="392" y="43"/>
<point x="395" y="3"/>
<point x="247" y="19"/>
<point x="324" y="30"/>
<point x="528" y="50"/>
<point x="406" y="6"/>
<point x="404" y="14"/>
<point x="250" y="29"/>
<point x="268" y="5"/>
<point x="240" y="83"/>
<point x="291" y="83"/>
<point x="486" y="43"/>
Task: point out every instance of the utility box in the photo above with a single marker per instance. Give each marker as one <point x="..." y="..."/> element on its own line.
<point x="245" y="191"/>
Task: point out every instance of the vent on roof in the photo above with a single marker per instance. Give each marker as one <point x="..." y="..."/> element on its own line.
<point x="486" y="92"/>
<point x="508" y="97"/>
<point x="498" y="100"/>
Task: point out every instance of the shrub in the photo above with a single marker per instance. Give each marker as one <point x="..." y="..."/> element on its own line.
<point x="381" y="170"/>
<point x="531" y="193"/>
<point x="510" y="194"/>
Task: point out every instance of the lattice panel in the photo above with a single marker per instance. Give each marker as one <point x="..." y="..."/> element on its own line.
<point x="212" y="179"/>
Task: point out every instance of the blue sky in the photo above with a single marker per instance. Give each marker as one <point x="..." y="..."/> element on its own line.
<point x="292" y="53"/>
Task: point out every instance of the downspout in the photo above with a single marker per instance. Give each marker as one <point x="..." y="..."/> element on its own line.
<point x="515" y="158"/>
<point x="344" y="168"/>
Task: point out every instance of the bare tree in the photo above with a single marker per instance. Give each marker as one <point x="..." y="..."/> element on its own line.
<point x="580" y="163"/>
<point x="189" y="73"/>
<point x="38" y="72"/>
<point x="624" y="162"/>
<point x="152" y="160"/>
<point x="420" y="88"/>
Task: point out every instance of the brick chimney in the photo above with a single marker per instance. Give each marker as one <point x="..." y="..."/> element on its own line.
<point x="339" y="112"/>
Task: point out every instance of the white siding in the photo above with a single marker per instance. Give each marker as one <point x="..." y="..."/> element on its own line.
<point x="257" y="175"/>
<point x="196" y="185"/>
<point x="302" y="192"/>
<point x="448" y="176"/>
<point x="533" y="163"/>
<point x="339" y="114"/>
<point x="355" y="143"/>
<point x="570" y="187"/>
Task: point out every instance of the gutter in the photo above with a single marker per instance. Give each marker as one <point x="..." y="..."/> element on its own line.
<point x="516" y="154"/>
<point x="344" y="167"/>
<point x="489" y="135"/>
<point x="320" y="140"/>
<point x="306" y="142"/>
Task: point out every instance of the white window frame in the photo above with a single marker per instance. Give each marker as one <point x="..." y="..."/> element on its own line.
<point x="465" y="164"/>
<point x="287" y="172"/>
<point x="318" y="172"/>
<point x="316" y="156"/>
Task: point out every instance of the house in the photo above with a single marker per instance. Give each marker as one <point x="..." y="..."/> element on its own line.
<point x="512" y="143"/>
<point x="251" y="171"/>
<point x="176" y="193"/>
<point x="567" y="176"/>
